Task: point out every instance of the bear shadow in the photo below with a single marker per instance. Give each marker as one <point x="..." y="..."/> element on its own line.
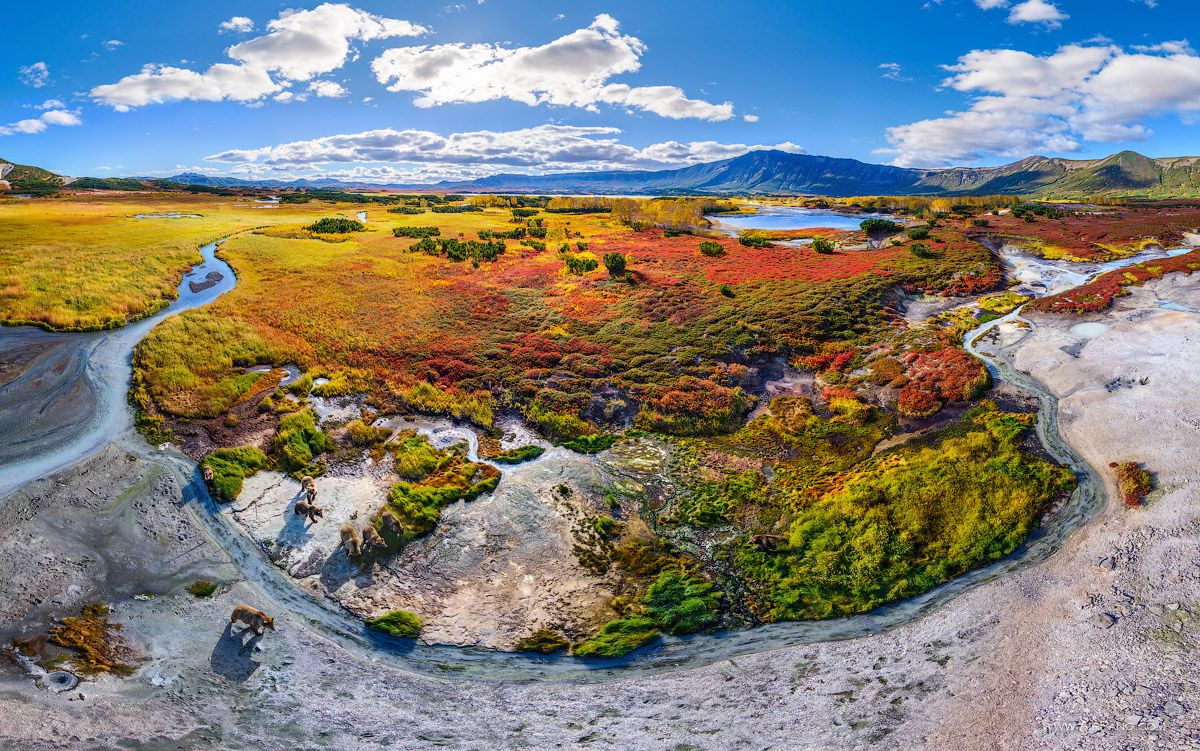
<point x="233" y="655"/>
<point x="296" y="529"/>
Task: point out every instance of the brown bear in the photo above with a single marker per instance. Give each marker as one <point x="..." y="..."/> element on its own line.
<point x="351" y="542"/>
<point x="256" y="619"/>
<point x="372" y="540"/>
<point x="391" y="524"/>
<point x="307" y="509"/>
<point x="207" y="473"/>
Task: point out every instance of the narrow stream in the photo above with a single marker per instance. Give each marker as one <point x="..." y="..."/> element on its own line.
<point x="107" y="357"/>
<point x="103" y="358"/>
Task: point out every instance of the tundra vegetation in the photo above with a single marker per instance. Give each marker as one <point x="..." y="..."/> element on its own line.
<point x="402" y="623"/>
<point x="799" y="513"/>
<point x="1133" y="482"/>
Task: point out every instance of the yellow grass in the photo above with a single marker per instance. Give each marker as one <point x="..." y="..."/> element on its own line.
<point x="86" y="262"/>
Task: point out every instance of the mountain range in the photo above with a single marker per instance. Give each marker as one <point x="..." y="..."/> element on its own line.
<point x="778" y="172"/>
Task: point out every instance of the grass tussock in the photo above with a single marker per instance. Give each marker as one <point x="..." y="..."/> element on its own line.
<point x="403" y="623"/>
<point x="231" y="466"/>
<point x="543" y="641"/>
<point x="97" y="642"/>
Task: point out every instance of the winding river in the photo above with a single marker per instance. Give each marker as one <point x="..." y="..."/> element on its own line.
<point x="100" y="362"/>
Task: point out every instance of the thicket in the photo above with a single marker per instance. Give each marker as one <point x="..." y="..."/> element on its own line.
<point x="416" y="232"/>
<point x="335" y="226"/>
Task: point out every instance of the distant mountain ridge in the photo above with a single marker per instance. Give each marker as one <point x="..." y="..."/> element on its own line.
<point x="779" y="172"/>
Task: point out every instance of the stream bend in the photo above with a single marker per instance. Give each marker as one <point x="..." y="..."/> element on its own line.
<point x="106" y="364"/>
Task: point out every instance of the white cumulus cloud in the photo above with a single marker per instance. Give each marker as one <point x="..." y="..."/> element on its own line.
<point x="1025" y="103"/>
<point x="237" y="25"/>
<point x="575" y="70"/>
<point x="298" y="45"/>
<point x="40" y="123"/>
<point x="541" y="149"/>
<point x="1028" y="11"/>
<point x="331" y="89"/>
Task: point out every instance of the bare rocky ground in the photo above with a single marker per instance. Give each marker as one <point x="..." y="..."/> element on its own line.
<point x="1095" y="648"/>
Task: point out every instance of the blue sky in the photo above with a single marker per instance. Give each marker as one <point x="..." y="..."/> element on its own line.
<point x="484" y="86"/>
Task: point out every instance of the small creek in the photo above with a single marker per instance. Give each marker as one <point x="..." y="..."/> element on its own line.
<point x="103" y="359"/>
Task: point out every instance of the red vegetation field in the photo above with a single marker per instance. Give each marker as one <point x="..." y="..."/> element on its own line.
<point x="1097" y="235"/>
<point x="944" y="375"/>
<point x="1099" y="293"/>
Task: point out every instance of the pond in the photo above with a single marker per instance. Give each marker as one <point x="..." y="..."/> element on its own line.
<point x="788" y="217"/>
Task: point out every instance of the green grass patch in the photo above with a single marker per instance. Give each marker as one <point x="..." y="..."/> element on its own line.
<point x="203" y="588"/>
<point x="403" y="623"/>
<point x="618" y="638"/>
<point x="593" y="443"/>
<point x="299" y="441"/>
<point x="543" y="641"/>
<point x="681" y="604"/>
<point x="231" y="466"/>
<point x="518" y="455"/>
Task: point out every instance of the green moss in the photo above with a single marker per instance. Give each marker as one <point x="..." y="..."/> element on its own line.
<point x="681" y="604"/>
<point x="298" y="441"/>
<point x="591" y="444"/>
<point x="618" y="638"/>
<point x="543" y="641"/>
<point x="413" y="457"/>
<point x="203" y="588"/>
<point x="402" y="623"/>
<point x="434" y="480"/>
<point x="362" y="434"/>
<point x="907" y="520"/>
<point x="231" y="466"/>
<point x="519" y="455"/>
<point x="711" y="504"/>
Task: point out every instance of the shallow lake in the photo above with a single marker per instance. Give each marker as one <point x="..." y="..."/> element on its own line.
<point x="788" y="217"/>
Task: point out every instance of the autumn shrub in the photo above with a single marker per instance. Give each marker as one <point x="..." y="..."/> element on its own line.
<point x="921" y="250"/>
<point x="1133" y="482"/>
<point x="711" y="249"/>
<point x="581" y="263"/>
<point x="918" y="233"/>
<point x="822" y="246"/>
<point x="693" y="406"/>
<point x="615" y="263"/>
